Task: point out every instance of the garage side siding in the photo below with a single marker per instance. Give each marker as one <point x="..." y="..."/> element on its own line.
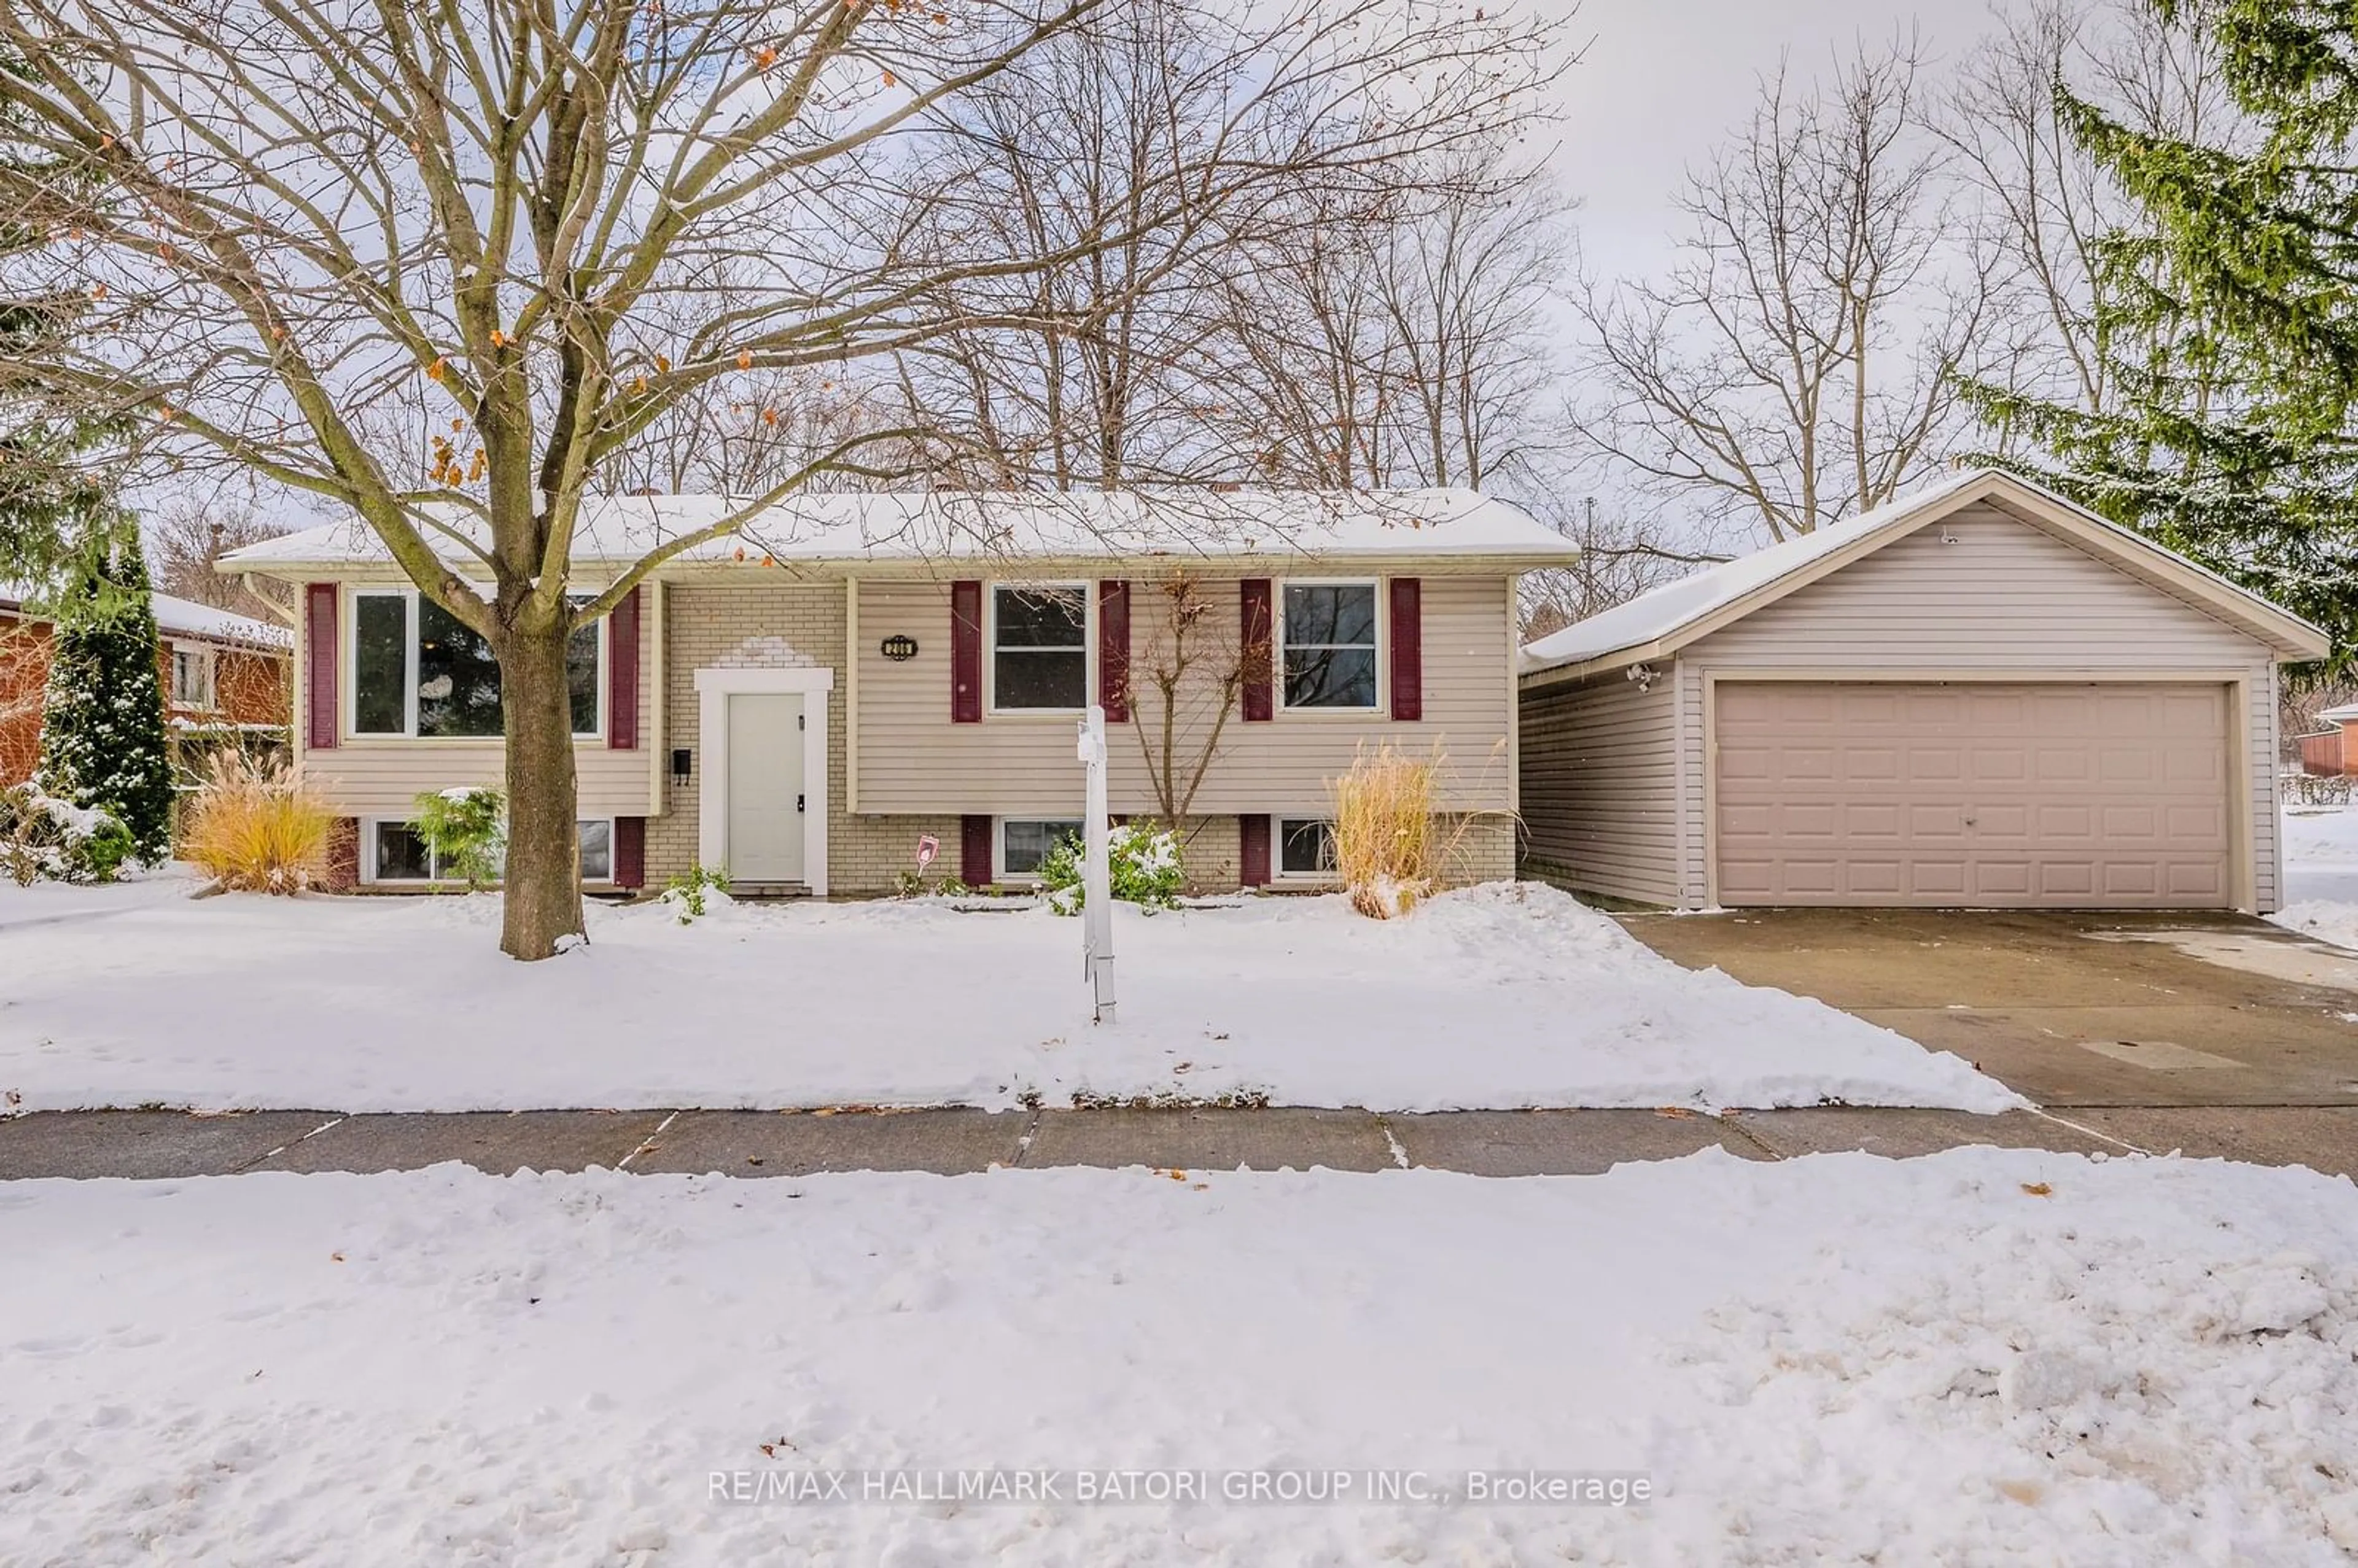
<point x="2002" y="597"/>
<point x="1599" y="786"/>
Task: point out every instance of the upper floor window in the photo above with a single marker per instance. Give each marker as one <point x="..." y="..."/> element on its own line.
<point x="192" y="677"/>
<point x="419" y="670"/>
<point x="1328" y="631"/>
<point x="1040" y="646"/>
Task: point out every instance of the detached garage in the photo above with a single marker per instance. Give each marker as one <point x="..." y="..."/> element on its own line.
<point x="1980" y="697"/>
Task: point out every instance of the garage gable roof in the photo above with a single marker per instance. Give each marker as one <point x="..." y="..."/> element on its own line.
<point x="1658" y="624"/>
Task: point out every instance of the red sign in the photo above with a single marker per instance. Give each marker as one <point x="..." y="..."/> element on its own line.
<point x="928" y="847"/>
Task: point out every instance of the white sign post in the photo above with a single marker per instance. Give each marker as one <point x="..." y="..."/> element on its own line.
<point x="1097" y="869"/>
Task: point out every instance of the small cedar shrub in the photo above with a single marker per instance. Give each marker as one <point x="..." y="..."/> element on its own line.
<point x="254" y="828"/>
<point x="467" y="828"/>
<point x="1142" y="867"/>
<point x="1389" y="847"/>
<point x="43" y="838"/>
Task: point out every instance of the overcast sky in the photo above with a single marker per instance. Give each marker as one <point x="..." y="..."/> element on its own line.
<point x="1662" y="80"/>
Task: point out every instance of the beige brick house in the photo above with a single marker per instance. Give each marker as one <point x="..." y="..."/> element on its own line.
<point x="852" y="676"/>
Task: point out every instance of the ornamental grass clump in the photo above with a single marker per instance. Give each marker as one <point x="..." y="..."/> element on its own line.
<point x="1389" y="846"/>
<point x="252" y="828"/>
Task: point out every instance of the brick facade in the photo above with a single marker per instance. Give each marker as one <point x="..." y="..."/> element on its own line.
<point x="250" y="686"/>
<point x="773" y="626"/>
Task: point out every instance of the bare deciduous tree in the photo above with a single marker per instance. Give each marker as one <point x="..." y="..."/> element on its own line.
<point x="187" y="533"/>
<point x="1796" y="363"/>
<point x="1620" y="557"/>
<point x="1404" y="346"/>
<point x="1182" y="690"/>
<point x="288" y="217"/>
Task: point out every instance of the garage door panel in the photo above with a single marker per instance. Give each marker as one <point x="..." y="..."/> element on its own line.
<point x="2060" y="878"/>
<point x="2009" y="795"/>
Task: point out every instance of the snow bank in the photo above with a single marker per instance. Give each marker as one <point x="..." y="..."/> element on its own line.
<point x="2323" y="919"/>
<point x="2320" y="853"/>
<point x="1836" y="1359"/>
<point x="1500" y="996"/>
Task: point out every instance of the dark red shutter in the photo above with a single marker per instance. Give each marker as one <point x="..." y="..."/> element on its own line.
<point x="966" y="653"/>
<point x="629" y="851"/>
<point x="1407" y="648"/>
<point x="1113" y="650"/>
<point x="1252" y="596"/>
<point x="319" y="664"/>
<point x="973" y="851"/>
<point x="623" y="677"/>
<point x="1252" y="850"/>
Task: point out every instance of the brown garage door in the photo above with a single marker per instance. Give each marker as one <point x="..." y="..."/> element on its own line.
<point x="2015" y="795"/>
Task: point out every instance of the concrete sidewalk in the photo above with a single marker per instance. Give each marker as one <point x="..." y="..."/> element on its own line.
<point x="170" y="1144"/>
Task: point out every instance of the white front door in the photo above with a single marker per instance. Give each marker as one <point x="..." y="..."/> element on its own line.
<point x="766" y="791"/>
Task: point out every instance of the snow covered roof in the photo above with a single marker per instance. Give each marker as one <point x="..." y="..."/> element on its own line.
<point x="178" y="617"/>
<point x="2346" y="714"/>
<point x="1659" y="622"/>
<point x="187" y="618"/>
<point x="924" y="525"/>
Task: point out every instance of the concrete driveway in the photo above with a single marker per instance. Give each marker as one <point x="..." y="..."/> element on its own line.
<point x="2213" y="1034"/>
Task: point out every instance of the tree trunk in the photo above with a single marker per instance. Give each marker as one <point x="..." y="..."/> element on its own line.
<point x="544" y="867"/>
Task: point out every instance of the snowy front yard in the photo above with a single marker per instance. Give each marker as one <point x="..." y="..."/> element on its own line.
<point x="1501" y="995"/>
<point x="1982" y="1357"/>
<point x="2320" y="848"/>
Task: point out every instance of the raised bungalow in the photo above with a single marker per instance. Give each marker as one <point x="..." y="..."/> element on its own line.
<point x="852" y="676"/>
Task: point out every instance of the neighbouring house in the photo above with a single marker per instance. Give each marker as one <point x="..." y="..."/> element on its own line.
<point x="854" y="674"/>
<point x="220" y="672"/>
<point x="1981" y="696"/>
<point x="2330" y="750"/>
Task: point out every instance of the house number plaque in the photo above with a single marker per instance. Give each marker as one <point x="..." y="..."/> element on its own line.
<point x="899" y="648"/>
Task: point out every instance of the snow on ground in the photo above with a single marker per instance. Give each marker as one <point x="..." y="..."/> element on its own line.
<point x="1504" y="995"/>
<point x="1982" y="1357"/>
<point x="2320" y="851"/>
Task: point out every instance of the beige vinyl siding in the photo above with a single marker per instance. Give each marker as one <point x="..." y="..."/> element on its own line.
<point x="2004" y="596"/>
<point x="913" y="759"/>
<point x="381" y="778"/>
<point x="1599" y="786"/>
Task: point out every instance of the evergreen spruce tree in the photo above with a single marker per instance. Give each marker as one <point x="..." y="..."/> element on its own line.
<point x="102" y="734"/>
<point x="56" y="462"/>
<point x="2227" y="316"/>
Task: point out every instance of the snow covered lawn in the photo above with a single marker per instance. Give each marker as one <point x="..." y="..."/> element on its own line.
<point x="1982" y="1357"/>
<point x="1501" y="995"/>
<point x="2321" y="849"/>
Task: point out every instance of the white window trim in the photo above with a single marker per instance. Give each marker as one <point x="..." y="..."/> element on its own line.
<point x="1277" y="871"/>
<point x="366" y="851"/>
<point x="1000" y="872"/>
<point x="714" y="687"/>
<point x="408" y="732"/>
<point x="991" y="590"/>
<point x="1375" y="585"/>
<point x="211" y="702"/>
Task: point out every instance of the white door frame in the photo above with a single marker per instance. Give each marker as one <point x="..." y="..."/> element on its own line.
<point x="714" y="687"/>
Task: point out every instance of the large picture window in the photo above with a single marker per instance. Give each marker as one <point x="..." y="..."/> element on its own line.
<point x="1329" y="632"/>
<point x="419" y="670"/>
<point x="1040" y="647"/>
